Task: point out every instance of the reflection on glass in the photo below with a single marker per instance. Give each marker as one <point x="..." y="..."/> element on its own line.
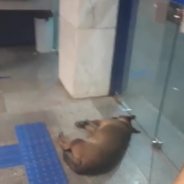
<point x="144" y="89"/>
<point x="155" y="87"/>
<point x="171" y="121"/>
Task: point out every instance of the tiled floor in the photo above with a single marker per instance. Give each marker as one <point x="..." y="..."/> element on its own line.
<point x="34" y="93"/>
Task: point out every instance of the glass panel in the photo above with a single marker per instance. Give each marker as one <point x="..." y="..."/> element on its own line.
<point x="154" y="90"/>
<point x="144" y="88"/>
<point x="171" y="121"/>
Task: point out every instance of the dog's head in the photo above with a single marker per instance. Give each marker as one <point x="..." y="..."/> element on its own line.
<point x="127" y="120"/>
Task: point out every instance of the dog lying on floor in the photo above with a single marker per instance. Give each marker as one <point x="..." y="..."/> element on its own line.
<point x="103" y="149"/>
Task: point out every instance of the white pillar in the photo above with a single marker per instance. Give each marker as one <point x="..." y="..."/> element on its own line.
<point x="86" y="45"/>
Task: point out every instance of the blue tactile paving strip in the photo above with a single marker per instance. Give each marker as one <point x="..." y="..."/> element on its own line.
<point x="10" y="156"/>
<point x="39" y="155"/>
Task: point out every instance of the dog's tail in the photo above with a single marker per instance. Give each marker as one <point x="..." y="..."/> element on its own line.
<point x="74" y="164"/>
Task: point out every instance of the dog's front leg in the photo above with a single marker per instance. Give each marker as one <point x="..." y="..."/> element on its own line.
<point x="86" y="125"/>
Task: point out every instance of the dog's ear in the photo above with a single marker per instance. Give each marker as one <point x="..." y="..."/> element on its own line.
<point x="131" y="117"/>
<point x="133" y="130"/>
<point x="128" y="118"/>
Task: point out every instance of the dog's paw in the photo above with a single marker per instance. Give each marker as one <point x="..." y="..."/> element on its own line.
<point x="61" y="134"/>
<point x="81" y="124"/>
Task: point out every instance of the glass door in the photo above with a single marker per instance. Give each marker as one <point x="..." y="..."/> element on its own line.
<point x="170" y="122"/>
<point x="169" y="131"/>
<point x="155" y="88"/>
<point x="147" y="71"/>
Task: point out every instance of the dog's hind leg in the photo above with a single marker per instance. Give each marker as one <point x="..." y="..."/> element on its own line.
<point x="96" y="123"/>
<point x="81" y="124"/>
<point x="90" y="129"/>
<point x="73" y="164"/>
<point x="64" y="142"/>
<point x="66" y="146"/>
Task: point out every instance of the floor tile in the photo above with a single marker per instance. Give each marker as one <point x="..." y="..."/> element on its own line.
<point x="140" y="150"/>
<point x="14" y="180"/>
<point x="162" y="170"/>
<point x="7" y="123"/>
<point x="127" y="173"/>
<point x="63" y="118"/>
<point x="107" y="106"/>
<point x="2" y="103"/>
<point x="15" y="172"/>
<point x="35" y="100"/>
<point x="24" y="180"/>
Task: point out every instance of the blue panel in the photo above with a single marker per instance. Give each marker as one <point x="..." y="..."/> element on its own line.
<point x="127" y="15"/>
<point x="179" y="1"/>
<point x="10" y="156"/>
<point x="39" y="155"/>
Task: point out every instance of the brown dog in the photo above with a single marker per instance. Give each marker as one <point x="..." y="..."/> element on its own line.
<point x="103" y="149"/>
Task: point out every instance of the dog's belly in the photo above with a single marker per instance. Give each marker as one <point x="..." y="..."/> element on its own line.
<point x="104" y="153"/>
<point x="102" y="163"/>
<point x="98" y="156"/>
